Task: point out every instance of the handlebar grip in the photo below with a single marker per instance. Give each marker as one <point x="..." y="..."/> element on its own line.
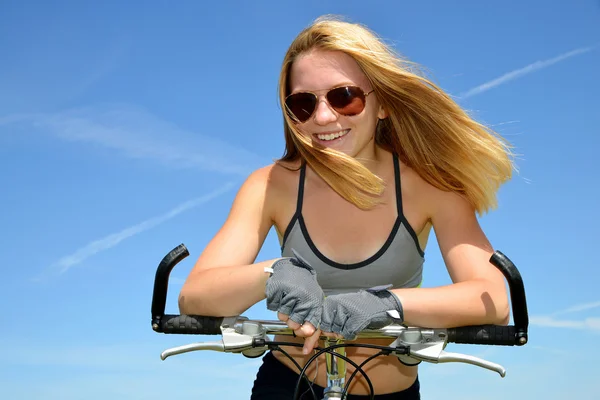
<point x="496" y="335"/>
<point x="189" y="324"/>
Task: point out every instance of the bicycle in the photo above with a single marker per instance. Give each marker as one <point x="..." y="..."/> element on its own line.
<point x="412" y="345"/>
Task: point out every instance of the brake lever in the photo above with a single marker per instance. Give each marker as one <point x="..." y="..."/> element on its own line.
<point x="232" y="341"/>
<point x="428" y="346"/>
<point x="435" y="354"/>
<point x="215" y="346"/>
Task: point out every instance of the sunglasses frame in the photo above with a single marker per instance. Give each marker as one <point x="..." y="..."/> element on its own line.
<point x="314" y="93"/>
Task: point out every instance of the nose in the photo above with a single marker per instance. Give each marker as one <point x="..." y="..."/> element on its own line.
<point x="324" y="114"/>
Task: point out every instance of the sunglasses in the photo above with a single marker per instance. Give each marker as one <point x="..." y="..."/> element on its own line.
<point x="345" y="100"/>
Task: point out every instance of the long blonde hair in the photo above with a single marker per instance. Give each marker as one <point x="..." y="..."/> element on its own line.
<point x="428" y="130"/>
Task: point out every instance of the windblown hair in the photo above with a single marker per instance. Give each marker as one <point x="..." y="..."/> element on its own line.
<point x="428" y="130"/>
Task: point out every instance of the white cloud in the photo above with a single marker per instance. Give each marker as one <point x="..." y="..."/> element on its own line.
<point x="551" y="321"/>
<point x="533" y="67"/>
<point x="135" y="133"/>
<point x="590" y="323"/>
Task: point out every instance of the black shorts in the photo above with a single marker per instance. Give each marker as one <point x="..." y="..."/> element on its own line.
<point x="275" y="381"/>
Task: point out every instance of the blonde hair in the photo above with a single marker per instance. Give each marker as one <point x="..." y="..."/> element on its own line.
<point x="428" y="130"/>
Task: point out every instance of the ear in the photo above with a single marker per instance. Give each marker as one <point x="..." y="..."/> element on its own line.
<point x="382" y="113"/>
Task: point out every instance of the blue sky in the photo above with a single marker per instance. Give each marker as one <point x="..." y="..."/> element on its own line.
<point x="125" y="130"/>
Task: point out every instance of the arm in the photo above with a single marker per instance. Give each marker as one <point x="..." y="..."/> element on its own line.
<point x="478" y="293"/>
<point x="224" y="281"/>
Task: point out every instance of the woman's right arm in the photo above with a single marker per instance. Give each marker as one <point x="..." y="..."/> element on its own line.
<point x="225" y="281"/>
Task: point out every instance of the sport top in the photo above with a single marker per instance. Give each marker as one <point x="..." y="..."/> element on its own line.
<point x="399" y="262"/>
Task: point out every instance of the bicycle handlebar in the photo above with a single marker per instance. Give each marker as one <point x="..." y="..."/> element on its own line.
<point x="412" y="344"/>
<point x="496" y="335"/>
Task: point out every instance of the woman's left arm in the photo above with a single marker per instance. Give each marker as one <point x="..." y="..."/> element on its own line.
<point x="478" y="294"/>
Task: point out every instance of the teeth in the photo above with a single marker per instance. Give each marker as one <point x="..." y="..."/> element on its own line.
<point x="332" y="136"/>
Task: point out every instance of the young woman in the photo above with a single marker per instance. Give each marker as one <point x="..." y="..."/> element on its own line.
<point x="376" y="156"/>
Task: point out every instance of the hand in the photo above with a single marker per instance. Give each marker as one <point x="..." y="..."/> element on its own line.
<point x="292" y="290"/>
<point x="349" y="313"/>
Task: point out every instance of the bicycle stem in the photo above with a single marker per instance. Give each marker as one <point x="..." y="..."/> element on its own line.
<point x="336" y="370"/>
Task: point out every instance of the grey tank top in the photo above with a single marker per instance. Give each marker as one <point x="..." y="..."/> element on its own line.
<point x="399" y="262"/>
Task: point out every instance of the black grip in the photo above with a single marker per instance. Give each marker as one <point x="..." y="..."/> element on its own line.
<point x="190" y="325"/>
<point x="497" y="335"/>
<point x="517" y="290"/>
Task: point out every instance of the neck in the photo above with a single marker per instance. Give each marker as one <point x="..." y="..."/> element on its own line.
<point x="371" y="156"/>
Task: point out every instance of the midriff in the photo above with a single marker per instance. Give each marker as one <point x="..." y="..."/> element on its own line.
<point x="387" y="373"/>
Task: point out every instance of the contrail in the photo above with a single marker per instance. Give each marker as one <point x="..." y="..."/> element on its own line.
<point x="536" y="66"/>
<point x="107" y="242"/>
<point x="579" y="307"/>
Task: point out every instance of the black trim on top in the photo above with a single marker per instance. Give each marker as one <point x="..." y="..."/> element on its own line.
<point x="359" y="264"/>
<point x="298" y="212"/>
<point x="301" y="188"/>
<point x="408" y="227"/>
<point x="400" y="219"/>
<point x="398" y="185"/>
<point x="413" y="234"/>
<point x="401" y="215"/>
<point x="288" y="230"/>
<point x="383" y="248"/>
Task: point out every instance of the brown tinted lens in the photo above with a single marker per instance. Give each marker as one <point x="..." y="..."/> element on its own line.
<point x="349" y="100"/>
<point x="302" y="105"/>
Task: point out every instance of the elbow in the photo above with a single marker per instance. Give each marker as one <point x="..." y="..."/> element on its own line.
<point x="188" y="301"/>
<point x="183" y="302"/>
<point x="503" y="306"/>
<point x="497" y="306"/>
<point x="193" y="301"/>
<point x="502" y="314"/>
<point x="502" y="309"/>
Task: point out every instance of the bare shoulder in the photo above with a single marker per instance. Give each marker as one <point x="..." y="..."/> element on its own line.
<point x="431" y="200"/>
<point x="255" y="209"/>
<point x="275" y="184"/>
<point x="283" y="192"/>
<point x="282" y="174"/>
<point x="463" y="244"/>
<point x="428" y="207"/>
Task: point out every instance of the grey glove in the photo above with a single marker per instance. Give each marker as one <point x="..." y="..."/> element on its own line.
<point x="293" y="290"/>
<point x="350" y="313"/>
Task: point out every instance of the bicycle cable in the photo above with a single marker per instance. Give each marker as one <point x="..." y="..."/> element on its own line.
<point x="384" y="350"/>
<point x="276" y="347"/>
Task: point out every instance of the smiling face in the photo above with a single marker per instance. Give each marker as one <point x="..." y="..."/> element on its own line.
<point x="319" y="71"/>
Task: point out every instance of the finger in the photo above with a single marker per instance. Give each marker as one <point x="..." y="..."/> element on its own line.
<point x="311" y="342"/>
<point x="308" y="329"/>
<point x="305" y="330"/>
<point x="299" y="333"/>
<point x="295" y="321"/>
<point x="283" y="317"/>
<point x="294" y="325"/>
